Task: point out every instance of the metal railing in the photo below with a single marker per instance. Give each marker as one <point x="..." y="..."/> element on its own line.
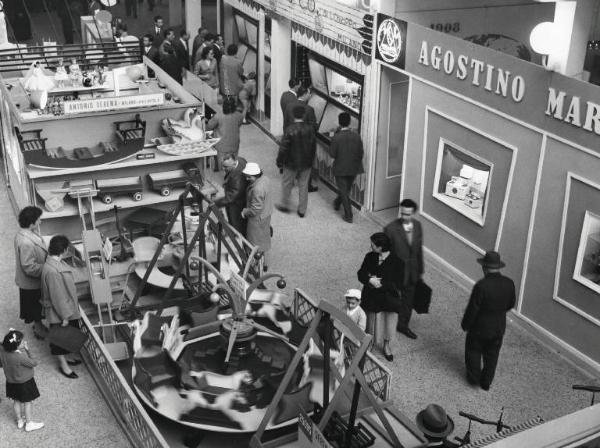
<point x="87" y="55"/>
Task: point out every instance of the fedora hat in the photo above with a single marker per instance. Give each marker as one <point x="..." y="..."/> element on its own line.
<point x="433" y="421"/>
<point x="491" y="259"/>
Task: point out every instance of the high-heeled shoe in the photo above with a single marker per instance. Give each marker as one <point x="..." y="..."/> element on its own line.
<point x="71" y="375"/>
<point x="388" y="357"/>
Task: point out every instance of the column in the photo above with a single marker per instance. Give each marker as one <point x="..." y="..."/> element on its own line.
<point x="193" y="17"/>
<point x="281" y="64"/>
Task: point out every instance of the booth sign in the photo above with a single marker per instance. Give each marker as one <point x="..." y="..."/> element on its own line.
<point x="116" y="103"/>
<point x="309" y="435"/>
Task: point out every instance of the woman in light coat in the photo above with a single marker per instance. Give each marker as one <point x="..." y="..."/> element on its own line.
<point x="60" y="297"/>
<point x="258" y="211"/>
<point x="226" y="125"/>
<point x="30" y="256"/>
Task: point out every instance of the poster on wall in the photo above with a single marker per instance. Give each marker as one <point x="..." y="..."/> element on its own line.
<point x="390" y="40"/>
<point x="462" y="180"/>
<point x="587" y="266"/>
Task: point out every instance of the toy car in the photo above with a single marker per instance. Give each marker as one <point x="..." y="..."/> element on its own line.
<point x="107" y="188"/>
<point x="165" y="181"/>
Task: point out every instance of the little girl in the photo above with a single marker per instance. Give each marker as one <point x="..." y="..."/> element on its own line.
<point x="20" y="385"/>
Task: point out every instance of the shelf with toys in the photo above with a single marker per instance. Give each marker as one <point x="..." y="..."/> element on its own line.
<point x="96" y="130"/>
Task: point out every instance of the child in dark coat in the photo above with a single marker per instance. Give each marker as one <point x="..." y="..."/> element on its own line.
<point x="20" y="384"/>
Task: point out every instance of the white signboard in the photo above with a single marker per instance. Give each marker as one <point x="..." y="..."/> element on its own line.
<point x="239" y="285"/>
<point x="309" y="435"/>
<point x="115" y="103"/>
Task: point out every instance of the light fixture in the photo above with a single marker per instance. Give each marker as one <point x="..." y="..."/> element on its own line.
<point x="544" y="37"/>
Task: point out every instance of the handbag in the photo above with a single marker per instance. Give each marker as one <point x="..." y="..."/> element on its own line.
<point x="68" y="338"/>
<point x="422" y="298"/>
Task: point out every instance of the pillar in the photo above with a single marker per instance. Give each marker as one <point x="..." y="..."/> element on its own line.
<point x="281" y="60"/>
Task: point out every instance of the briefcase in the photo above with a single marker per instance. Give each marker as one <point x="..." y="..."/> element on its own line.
<point x="422" y="297"/>
<point x="68" y="338"/>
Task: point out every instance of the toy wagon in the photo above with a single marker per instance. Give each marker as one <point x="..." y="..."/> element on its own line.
<point x="165" y="181"/>
<point x="108" y="188"/>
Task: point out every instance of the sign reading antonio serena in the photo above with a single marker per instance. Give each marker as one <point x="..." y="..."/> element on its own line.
<point x="390" y="40"/>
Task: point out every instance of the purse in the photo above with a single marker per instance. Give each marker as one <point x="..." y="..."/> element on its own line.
<point x="422" y="298"/>
<point x="68" y="338"/>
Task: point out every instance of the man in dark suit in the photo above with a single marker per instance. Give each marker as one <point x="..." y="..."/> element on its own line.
<point x="406" y="235"/>
<point x="182" y="49"/>
<point x="158" y="31"/>
<point x="288" y="96"/>
<point x="295" y="158"/>
<point x="150" y="51"/>
<point x="169" y="61"/>
<point x="485" y="320"/>
<point x="234" y="185"/>
<point x="198" y="40"/>
<point x="303" y="95"/>
<point x="346" y="148"/>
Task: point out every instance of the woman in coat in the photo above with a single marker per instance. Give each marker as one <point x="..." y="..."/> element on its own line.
<point x="206" y="67"/>
<point x="259" y="207"/>
<point x="380" y="275"/>
<point x="227" y="126"/>
<point x="60" y="297"/>
<point x="30" y="256"/>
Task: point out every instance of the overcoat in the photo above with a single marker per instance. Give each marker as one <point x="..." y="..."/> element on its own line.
<point x="387" y="298"/>
<point x="59" y="296"/>
<point x="30" y="256"/>
<point x="259" y="207"/>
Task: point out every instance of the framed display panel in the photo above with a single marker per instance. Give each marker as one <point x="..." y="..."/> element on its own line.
<point x="479" y="230"/>
<point x="587" y="266"/>
<point x="577" y="278"/>
<point x="267" y="68"/>
<point x="461" y="180"/>
<point x="247" y="31"/>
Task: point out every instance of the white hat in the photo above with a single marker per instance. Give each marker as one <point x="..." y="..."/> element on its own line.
<point x="353" y="293"/>
<point x="251" y="169"/>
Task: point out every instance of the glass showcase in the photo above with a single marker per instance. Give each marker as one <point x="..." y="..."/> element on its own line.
<point x="587" y="266"/>
<point x="462" y="180"/>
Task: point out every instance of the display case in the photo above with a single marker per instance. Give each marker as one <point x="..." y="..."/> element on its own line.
<point x="102" y="136"/>
<point x="461" y="181"/>
<point x="587" y="266"/>
<point x="334" y="89"/>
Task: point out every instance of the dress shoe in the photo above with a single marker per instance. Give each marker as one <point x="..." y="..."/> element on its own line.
<point x="71" y="375"/>
<point x="312" y="188"/>
<point x="485" y="386"/>
<point x="32" y="426"/>
<point x="282" y="208"/>
<point x="336" y="205"/>
<point x="389" y="357"/>
<point x="348" y="219"/>
<point x="407" y="332"/>
<point x="301" y="214"/>
<point x="74" y="362"/>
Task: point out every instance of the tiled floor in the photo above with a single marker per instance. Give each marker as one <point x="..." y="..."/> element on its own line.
<point x="320" y="254"/>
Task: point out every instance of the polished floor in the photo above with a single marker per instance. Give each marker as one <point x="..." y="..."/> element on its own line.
<point x="319" y="254"/>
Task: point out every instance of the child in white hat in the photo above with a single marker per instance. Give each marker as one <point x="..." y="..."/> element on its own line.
<point x="353" y="309"/>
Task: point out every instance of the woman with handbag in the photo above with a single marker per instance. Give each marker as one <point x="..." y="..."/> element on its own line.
<point x="381" y="288"/>
<point x="60" y="300"/>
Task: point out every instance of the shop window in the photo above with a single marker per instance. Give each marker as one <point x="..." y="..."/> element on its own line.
<point x="317" y="76"/>
<point x="329" y="123"/>
<point x="241" y="27"/>
<point x="252" y="33"/>
<point x="462" y="180"/>
<point x="587" y="266"/>
<point x="318" y="103"/>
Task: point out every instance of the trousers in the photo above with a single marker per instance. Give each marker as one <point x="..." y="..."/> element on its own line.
<point x="478" y="348"/>
<point x="406" y="305"/>
<point x="287" y="183"/>
<point x="344" y="184"/>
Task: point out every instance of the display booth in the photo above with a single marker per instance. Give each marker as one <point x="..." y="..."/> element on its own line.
<point x="324" y="44"/>
<point x="111" y="130"/>
<point x="502" y="155"/>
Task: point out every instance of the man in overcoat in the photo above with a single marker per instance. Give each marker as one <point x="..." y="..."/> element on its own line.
<point x="346" y="149"/>
<point x="406" y="235"/>
<point x="485" y="320"/>
<point x="235" y="186"/>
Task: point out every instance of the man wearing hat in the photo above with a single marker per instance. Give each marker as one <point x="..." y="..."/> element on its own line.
<point x="485" y="320"/>
<point x="258" y="210"/>
<point x="435" y="424"/>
